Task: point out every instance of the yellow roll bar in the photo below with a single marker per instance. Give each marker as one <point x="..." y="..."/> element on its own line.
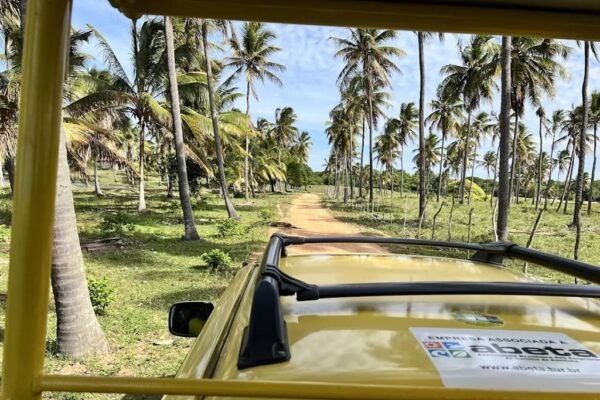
<point x="569" y="19"/>
<point x="44" y="63"/>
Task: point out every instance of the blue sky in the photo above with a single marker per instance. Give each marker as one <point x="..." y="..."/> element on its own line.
<point x="309" y="83"/>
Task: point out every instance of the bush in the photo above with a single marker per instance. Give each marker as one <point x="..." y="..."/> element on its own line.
<point x="477" y="192"/>
<point x="228" y="227"/>
<point x="216" y="259"/>
<point x="116" y="223"/>
<point x="266" y="215"/>
<point x="101" y="294"/>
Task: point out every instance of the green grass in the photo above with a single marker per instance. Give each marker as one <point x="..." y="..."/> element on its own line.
<point x="155" y="269"/>
<point x="553" y="234"/>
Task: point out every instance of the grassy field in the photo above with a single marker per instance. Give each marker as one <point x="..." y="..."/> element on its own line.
<point x="153" y="270"/>
<point x="400" y="218"/>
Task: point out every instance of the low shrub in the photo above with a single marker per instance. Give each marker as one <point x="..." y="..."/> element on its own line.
<point x="116" y="224"/>
<point x="228" y="227"/>
<point x="266" y="215"/>
<point x="101" y="294"/>
<point x="216" y="259"/>
<point x="477" y="192"/>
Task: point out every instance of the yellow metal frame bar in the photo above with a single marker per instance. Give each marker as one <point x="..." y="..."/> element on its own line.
<point x="43" y="72"/>
<point x="282" y="389"/>
<point x="569" y="19"/>
<point x="44" y="64"/>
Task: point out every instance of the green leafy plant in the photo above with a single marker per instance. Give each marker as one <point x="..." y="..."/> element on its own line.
<point x="228" y="227"/>
<point x="216" y="259"/>
<point x="101" y="294"/>
<point x="266" y="215"/>
<point x="116" y="223"/>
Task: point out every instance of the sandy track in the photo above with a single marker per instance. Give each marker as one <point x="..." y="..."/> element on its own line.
<point x="309" y="218"/>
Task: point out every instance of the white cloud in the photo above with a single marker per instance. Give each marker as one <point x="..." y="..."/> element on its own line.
<point x="312" y="69"/>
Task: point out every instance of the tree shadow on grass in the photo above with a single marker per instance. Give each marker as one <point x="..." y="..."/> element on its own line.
<point x="164" y="301"/>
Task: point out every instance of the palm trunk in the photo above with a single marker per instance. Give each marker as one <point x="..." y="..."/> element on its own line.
<point x="190" y="232"/>
<point x="129" y="155"/>
<point x="568" y="177"/>
<point x="247" y="139"/>
<point x="2" y="183"/>
<point x="538" y="191"/>
<point x="401" y="171"/>
<point x="10" y="171"/>
<point x="142" y="197"/>
<point x="503" y="171"/>
<point x="370" y="101"/>
<point x="582" y="139"/>
<point x="97" y="189"/>
<point x="213" y="114"/>
<point x="350" y="172"/>
<point x="591" y="195"/>
<point x="472" y="175"/>
<point x="463" y="175"/>
<point x="556" y="191"/>
<point x="362" y="153"/>
<point x="550" y="173"/>
<point x="513" y="164"/>
<point x="422" y="171"/>
<point x="77" y="330"/>
<point x="439" y="192"/>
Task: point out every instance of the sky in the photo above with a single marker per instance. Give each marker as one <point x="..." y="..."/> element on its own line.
<point x="309" y="82"/>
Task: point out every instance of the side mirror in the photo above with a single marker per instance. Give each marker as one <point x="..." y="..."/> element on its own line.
<point x="188" y="318"/>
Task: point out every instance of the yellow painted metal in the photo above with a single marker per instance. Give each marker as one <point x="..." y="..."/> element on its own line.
<point x="44" y="63"/>
<point x="349" y="341"/>
<point x="203" y="355"/>
<point x="282" y="390"/>
<point x="570" y="19"/>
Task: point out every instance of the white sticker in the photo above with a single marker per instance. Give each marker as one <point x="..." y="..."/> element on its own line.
<point x="510" y="360"/>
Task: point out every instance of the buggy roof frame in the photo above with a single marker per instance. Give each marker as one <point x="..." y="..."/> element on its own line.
<point x="45" y="53"/>
<point x="265" y="338"/>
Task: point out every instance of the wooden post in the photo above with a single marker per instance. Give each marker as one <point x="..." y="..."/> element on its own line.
<point x="435" y="218"/>
<point x="532" y="234"/>
<point x="450" y="219"/>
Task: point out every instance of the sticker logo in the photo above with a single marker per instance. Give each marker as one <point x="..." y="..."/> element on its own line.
<point x="479" y="319"/>
<point x="433" y="345"/>
<point x="438" y="353"/>
<point x="460" y="354"/>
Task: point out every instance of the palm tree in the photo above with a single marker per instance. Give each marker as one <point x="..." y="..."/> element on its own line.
<point x="367" y="51"/>
<point x="283" y="131"/>
<point x="557" y="124"/>
<point x="541" y="113"/>
<point x="80" y="336"/>
<point x="533" y="72"/>
<point x="137" y="97"/>
<point x="429" y="156"/>
<point x="190" y="232"/>
<point x="387" y="148"/>
<point x="405" y="127"/>
<point x="582" y="144"/>
<point x="482" y="126"/>
<point x="594" y="119"/>
<point x="444" y="116"/>
<point x="251" y="57"/>
<point x="562" y="162"/>
<point x="504" y="145"/>
<point x="205" y="26"/>
<point x="301" y="148"/>
<point x="488" y="162"/>
<point x="422" y="37"/>
<point x="471" y="82"/>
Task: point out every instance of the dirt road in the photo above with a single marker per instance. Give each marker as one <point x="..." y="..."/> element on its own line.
<point x="309" y="218"/>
